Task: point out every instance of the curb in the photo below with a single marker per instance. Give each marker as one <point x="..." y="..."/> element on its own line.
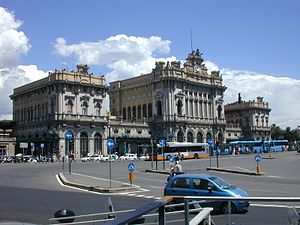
<point x="235" y="171"/>
<point x="97" y="188"/>
<point x="158" y="171"/>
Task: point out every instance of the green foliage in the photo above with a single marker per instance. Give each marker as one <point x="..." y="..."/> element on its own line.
<point x="288" y="134"/>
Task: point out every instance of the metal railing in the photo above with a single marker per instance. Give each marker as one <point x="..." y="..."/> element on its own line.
<point x="162" y="212"/>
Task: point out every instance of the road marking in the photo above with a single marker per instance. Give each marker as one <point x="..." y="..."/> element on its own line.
<point x="275" y="206"/>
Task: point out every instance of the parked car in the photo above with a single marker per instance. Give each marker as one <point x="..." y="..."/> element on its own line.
<point x="207" y="185"/>
<point x="129" y="156"/>
<point x="90" y="158"/>
<point x="95" y="158"/>
<point x="144" y="157"/>
<point x="104" y="157"/>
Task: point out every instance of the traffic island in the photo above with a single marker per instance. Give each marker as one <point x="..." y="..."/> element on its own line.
<point x="95" y="185"/>
<point x="229" y="170"/>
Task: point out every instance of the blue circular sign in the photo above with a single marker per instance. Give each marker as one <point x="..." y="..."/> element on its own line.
<point x="69" y="135"/>
<point x="131" y="167"/>
<point x="162" y="142"/>
<point x="209" y="141"/>
<point x="110" y="144"/>
<point x="42" y="145"/>
<point x="257" y="158"/>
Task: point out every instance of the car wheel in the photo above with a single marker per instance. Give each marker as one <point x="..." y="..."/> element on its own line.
<point x="196" y="156"/>
<point x="224" y="208"/>
<point x="168" y="157"/>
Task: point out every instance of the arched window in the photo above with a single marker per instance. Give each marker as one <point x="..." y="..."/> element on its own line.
<point x="98" y="109"/>
<point x="159" y="108"/>
<point x="98" y="144"/>
<point x="144" y="111"/>
<point x="70" y="107"/>
<point x="139" y="112"/>
<point x="190" y="137"/>
<point x="84" y="108"/>
<point x="129" y="112"/>
<point x="124" y="113"/>
<point x="179" y="107"/>
<point x="219" y="111"/>
<point x="199" y="138"/>
<point x="84" y="147"/>
<point x="149" y="110"/>
<point x="134" y="112"/>
<point x="180" y="136"/>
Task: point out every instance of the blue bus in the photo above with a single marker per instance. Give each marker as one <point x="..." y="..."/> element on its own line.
<point x="246" y="147"/>
<point x="277" y="145"/>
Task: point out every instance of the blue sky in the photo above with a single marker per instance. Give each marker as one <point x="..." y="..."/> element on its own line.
<point x="254" y="43"/>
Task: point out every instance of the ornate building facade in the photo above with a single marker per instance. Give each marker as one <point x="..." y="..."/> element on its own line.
<point x="248" y="120"/>
<point x="7" y="141"/>
<point x="64" y="113"/>
<point x="180" y="103"/>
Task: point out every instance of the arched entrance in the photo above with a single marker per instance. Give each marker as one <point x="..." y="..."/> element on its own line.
<point x="180" y="136"/>
<point x="84" y="147"/>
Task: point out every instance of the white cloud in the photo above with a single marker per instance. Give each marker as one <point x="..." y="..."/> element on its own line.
<point x="13" y="44"/>
<point x="125" y="55"/>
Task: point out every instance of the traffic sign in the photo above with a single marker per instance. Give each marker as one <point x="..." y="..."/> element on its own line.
<point x="131" y="167"/>
<point x="32" y="145"/>
<point x="110" y="144"/>
<point x="257" y="158"/>
<point x="69" y="135"/>
<point x="209" y="141"/>
<point x="42" y="145"/>
<point x="162" y="142"/>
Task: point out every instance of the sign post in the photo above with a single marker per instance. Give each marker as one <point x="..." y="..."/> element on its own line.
<point x="162" y="143"/>
<point x="131" y="168"/>
<point x="257" y="159"/>
<point x="210" y="143"/>
<point x="110" y="146"/>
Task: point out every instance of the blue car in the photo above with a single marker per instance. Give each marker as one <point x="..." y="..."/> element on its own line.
<point x="207" y="185"/>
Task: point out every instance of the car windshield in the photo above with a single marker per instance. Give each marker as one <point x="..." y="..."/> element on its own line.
<point x="222" y="183"/>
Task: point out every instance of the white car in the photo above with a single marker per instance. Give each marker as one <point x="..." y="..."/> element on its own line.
<point x="129" y="156"/>
<point x="104" y="157"/>
<point x="144" y="157"/>
<point x="95" y="158"/>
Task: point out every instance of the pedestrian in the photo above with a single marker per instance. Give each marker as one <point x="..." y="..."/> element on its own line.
<point x="72" y="156"/>
<point x="178" y="168"/>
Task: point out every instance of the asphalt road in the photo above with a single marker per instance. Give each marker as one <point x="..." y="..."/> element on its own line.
<point x="31" y="193"/>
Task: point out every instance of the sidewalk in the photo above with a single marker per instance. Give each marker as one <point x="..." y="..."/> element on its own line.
<point x="95" y="184"/>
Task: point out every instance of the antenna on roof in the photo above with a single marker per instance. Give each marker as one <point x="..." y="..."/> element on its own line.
<point x="191" y="37"/>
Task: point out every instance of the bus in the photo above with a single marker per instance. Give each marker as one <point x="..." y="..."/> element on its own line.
<point x="183" y="150"/>
<point x="277" y="145"/>
<point x="246" y="147"/>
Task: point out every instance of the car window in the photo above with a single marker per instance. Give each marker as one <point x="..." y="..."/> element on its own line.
<point x="181" y="183"/>
<point x="202" y="184"/>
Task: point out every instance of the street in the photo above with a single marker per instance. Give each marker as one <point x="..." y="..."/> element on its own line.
<point x="31" y="193"/>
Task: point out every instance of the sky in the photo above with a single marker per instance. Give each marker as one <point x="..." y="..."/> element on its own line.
<point x="254" y="44"/>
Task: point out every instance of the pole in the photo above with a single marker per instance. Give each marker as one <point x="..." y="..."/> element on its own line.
<point x="163" y="157"/>
<point x="152" y="153"/>
<point x="109" y="161"/>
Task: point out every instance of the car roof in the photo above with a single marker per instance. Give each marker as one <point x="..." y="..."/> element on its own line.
<point x="202" y="175"/>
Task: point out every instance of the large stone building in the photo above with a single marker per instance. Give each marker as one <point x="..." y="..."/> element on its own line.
<point x="180" y="103"/>
<point x="66" y="112"/>
<point x="248" y="120"/>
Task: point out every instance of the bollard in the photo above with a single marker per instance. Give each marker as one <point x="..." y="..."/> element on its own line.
<point x="257" y="169"/>
<point x="131" y="177"/>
